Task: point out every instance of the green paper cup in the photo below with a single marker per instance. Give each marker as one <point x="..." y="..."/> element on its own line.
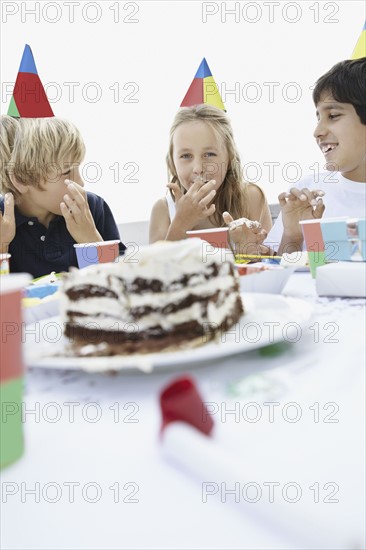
<point x="314" y="243"/>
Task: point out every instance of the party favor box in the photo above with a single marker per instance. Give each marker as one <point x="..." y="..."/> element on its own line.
<point x="344" y="239"/>
<point x="345" y="279"/>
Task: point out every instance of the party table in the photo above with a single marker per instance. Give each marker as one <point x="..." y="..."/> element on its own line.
<point x="95" y="474"/>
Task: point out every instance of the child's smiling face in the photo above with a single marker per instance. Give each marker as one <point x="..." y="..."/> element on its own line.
<point x="199" y="152"/>
<point x="341" y="136"/>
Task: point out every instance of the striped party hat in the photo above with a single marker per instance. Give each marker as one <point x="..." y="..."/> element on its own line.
<point x="360" y="48"/>
<point x="203" y="89"/>
<point x="29" y="99"/>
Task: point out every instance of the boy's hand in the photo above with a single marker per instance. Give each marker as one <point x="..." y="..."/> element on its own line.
<point x="7" y="223"/>
<point x="79" y="221"/>
<point x="194" y="205"/>
<point x="298" y="205"/>
<point x="247" y="240"/>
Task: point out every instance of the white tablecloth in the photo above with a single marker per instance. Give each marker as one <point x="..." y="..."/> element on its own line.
<point x="94" y="476"/>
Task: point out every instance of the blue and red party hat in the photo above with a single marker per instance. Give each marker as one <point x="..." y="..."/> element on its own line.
<point x="29" y="99"/>
<point x="203" y="89"/>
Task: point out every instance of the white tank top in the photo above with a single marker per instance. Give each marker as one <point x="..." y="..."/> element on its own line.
<point x="171" y="206"/>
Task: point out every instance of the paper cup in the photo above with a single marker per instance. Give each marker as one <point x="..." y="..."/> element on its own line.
<point x="218" y="237"/>
<point x="4" y="264"/>
<point x="97" y="253"/>
<point x="313" y="237"/>
<point x="11" y="367"/>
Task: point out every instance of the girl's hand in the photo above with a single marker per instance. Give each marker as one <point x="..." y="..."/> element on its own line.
<point x="246" y="240"/>
<point x="7" y="223"/>
<point x="79" y="221"/>
<point x="194" y="205"/>
<point x="298" y="205"/>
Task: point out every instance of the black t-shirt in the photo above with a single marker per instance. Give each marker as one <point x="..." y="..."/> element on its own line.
<point x="39" y="250"/>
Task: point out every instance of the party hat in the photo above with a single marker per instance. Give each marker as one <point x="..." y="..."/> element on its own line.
<point x="203" y="89"/>
<point x="29" y="99"/>
<point x="360" y="48"/>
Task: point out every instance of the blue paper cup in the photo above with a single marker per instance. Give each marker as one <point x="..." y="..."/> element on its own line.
<point x="97" y="253"/>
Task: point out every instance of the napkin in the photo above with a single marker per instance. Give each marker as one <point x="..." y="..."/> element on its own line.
<point x="346" y="279"/>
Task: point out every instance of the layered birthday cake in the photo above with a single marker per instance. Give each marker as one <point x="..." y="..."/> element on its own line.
<point x="167" y="296"/>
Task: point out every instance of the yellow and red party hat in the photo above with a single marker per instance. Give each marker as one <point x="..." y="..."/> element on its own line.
<point x="29" y="99"/>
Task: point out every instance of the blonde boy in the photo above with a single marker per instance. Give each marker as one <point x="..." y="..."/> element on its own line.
<point x="45" y="209"/>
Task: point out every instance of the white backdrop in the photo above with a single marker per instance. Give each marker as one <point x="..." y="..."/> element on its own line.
<point x="119" y="70"/>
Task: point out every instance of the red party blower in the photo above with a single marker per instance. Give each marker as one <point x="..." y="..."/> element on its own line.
<point x="186" y="423"/>
<point x="180" y="401"/>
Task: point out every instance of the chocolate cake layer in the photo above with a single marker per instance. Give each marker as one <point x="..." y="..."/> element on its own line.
<point x="140" y="286"/>
<point x="153" y="340"/>
<point x="90" y="291"/>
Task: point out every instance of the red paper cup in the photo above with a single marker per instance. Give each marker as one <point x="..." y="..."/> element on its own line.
<point x="313" y="235"/>
<point x="11" y="367"/>
<point x="218" y="237"/>
<point x="97" y="253"/>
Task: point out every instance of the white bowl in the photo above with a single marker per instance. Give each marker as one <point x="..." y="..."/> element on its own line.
<point x="269" y="281"/>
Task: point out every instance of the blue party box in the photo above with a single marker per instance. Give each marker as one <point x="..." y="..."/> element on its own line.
<point x="43" y="286"/>
<point x="41" y="291"/>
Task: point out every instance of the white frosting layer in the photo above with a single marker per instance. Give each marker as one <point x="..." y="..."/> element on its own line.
<point x="165" y="260"/>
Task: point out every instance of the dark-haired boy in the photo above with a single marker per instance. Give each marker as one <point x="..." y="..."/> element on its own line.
<point x="340" y="100"/>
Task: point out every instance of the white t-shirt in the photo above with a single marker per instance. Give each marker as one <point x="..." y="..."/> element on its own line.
<point x="342" y="197"/>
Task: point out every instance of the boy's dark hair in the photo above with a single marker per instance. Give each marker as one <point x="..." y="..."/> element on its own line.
<point x="346" y="82"/>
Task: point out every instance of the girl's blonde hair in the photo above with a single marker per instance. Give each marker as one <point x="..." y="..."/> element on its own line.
<point x="40" y="150"/>
<point x="8" y="129"/>
<point x="232" y="195"/>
